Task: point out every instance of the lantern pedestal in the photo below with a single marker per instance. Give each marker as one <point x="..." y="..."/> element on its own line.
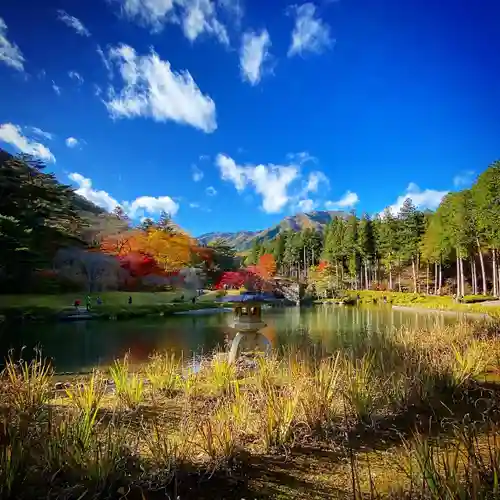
<point x="247" y="323"/>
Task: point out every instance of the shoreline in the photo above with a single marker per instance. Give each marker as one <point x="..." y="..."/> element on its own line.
<point x="447" y="312"/>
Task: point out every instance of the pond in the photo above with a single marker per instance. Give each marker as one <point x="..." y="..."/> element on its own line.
<point x="77" y="347"/>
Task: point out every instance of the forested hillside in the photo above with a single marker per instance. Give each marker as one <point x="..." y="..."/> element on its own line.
<point x="456" y="246"/>
<point x="243" y="240"/>
<point x="53" y="240"/>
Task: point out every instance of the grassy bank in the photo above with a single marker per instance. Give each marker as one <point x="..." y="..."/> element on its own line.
<point x="413" y="414"/>
<point x="475" y="304"/>
<point x="114" y="305"/>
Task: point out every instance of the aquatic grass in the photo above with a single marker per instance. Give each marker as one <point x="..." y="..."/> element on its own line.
<point x="163" y="372"/>
<point x="217" y="436"/>
<point x="78" y="449"/>
<point x="168" y="450"/>
<point x="87" y="396"/>
<point x="129" y="387"/>
<point x="221" y="375"/>
<point x="28" y="383"/>
<point x="470" y="362"/>
<point x="360" y="386"/>
<point x="268" y="370"/>
<point x="279" y="413"/>
<point x="467" y="465"/>
<point x="13" y="458"/>
<point x="319" y="394"/>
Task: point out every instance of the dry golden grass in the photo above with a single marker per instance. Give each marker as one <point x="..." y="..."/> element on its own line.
<point x="376" y="400"/>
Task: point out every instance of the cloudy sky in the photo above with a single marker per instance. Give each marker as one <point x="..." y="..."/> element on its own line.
<point x="230" y="114"/>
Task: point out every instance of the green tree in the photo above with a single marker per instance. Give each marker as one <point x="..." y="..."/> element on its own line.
<point x="38" y="216"/>
<point x="366" y="245"/>
<point x="411" y="228"/>
<point x="224" y="254"/>
<point x="352" y="248"/>
<point x="486" y="196"/>
<point x="389" y="242"/>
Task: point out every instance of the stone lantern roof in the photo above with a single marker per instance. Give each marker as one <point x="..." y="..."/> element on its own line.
<point x="248" y="298"/>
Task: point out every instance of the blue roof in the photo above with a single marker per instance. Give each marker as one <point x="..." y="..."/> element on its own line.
<point x="248" y="297"/>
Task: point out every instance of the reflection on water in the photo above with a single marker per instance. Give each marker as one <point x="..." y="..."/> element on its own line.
<point x="80" y="346"/>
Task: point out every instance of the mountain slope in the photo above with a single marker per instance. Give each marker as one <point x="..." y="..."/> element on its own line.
<point x="242" y="240"/>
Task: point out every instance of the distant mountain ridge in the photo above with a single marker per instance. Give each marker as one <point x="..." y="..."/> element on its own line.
<point x="242" y="240"/>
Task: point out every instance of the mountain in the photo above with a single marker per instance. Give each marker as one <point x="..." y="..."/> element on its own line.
<point x="242" y="240"/>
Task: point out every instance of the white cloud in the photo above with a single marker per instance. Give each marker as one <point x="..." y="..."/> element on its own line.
<point x="347" y="201"/>
<point x="307" y="205"/>
<point x="10" y="53"/>
<point x="427" y="199"/>
<point x="315" y="178"/>
<point x="194" y="205"/>
<point x="211" y="191"/>
<point x="73" y="22"/>
<point x="41" y="133"/>
<point x="100" y="198"/>
<point x="197" y="173"/>
<point x="12" y="134"/>
<point x="254" y="53"/>
<point x="140" y="206"/>
<point x="151" y="205"/>
<point x="464" y="179"/>
<point x="271" y="181"/>
<point x="56" y="88"/>
<point x="71" y="142"/>
<point x="105" y="61"/>
<point x="311" y="33"/>
<point x="152" y="89"/>
<point x="76" y="76"/>
<point x="301" y="157"/>
<point x="196" y="17"/>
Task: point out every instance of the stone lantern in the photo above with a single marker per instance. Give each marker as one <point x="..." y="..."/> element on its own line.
<point x="247" y="321"/>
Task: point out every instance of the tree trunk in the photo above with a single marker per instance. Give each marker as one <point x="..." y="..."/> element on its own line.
<point x="414" y="275"/>
<point x="474" y="275"/>
<point x="435" y="278"/>
<point x="390" y="276"/>
<point x="418" y="272"/>
<point x="458" y="275"/>
<point x="495" y="291"/>
<point x="399" y="275"/>
<point x="440" y="281"/>
<point x="427" y="279"/>
<point x="483" y="272"/>
<point x="462" y="276"/>
<point x="367" y="285"/>
<point x="337" y="273"/>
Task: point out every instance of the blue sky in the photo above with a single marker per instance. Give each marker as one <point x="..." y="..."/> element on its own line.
<point x="234" y="113"/>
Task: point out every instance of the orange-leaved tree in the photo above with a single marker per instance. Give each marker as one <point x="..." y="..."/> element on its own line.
<point x="266" y="267"/>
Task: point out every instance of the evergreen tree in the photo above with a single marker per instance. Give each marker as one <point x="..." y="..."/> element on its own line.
<point x="352" y="248"/>
<point x="486" y="196"/>
<point x="411" y="228"/>
<point x="366" y="245"/>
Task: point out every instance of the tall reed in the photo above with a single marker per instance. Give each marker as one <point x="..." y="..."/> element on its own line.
<point x="163" y="372"/>
<point x="28" y="383"/>
<point x="129" y="387"/>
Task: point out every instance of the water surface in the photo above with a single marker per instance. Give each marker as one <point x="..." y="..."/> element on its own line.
<point x="80" y="346"/>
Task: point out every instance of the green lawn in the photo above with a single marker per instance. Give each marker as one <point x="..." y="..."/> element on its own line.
<point x="63" y="301"/>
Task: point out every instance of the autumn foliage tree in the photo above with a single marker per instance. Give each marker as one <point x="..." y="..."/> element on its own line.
<point x="266" y="266"/>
